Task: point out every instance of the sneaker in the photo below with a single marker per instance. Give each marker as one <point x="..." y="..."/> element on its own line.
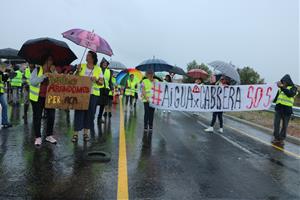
<point x="145" y="129"/>
<point x="169" y="111"/>
<point x="209" y="129"/>
<point x="38" y="141"/>
<point x="221" y="130"/>
<point x="164" y="111"/>
<point x="7" y="125"/>
<point x="51" y="139"/>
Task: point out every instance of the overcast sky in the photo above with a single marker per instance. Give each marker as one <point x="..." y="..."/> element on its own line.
<point x="263" y="34"/>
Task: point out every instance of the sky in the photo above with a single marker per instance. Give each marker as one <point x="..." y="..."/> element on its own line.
<point x="263" y="34"/>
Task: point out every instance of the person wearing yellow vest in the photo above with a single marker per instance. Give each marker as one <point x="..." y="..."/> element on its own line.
<point x="110" y="99"/>
<point x="37" y="95"/>
<point x="130" y="89"/>
<point x="146" y="86"/>
<point x="284" y="101"/>
<point x="26" y="78"/>
<point x="16" y="84"/>
<point x="84" y="119"/>
<point x="105" y="88"/>
<point x="3" y="79"/>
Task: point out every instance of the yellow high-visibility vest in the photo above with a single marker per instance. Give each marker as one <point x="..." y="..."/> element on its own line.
<point x="27" y="74"/>
<point x="96" y="73"/>
<point x="17" y="80"/>
<point x="285" y="100"/>
<point x="1" y="85"/>
<point x="106" y="76"/>
<point x="34" y="91"/>
<point x="147" y="84"/>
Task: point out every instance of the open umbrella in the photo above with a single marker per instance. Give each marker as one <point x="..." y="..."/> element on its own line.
<point x="156" y="65"/>
<point x="227" y="69"/>
<point x="34" y="51"/>
<point x="197" y="73"/>
<point x="123" y="76"/>
<point x="177" y="70"/>
<point x="15" y="61"/>
<point x="116" y="65"/>
<point x="9" y="53"/>
<point x="89" y="40"/>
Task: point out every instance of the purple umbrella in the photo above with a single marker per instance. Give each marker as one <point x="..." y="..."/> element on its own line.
<point x="89" y="40"/>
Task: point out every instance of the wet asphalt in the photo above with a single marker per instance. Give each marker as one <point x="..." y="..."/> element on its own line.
<point x="177" y="161"/>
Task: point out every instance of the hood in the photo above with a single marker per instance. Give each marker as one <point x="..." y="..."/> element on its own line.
<point x="104" y="60"/>
<point x="287" y="79"/>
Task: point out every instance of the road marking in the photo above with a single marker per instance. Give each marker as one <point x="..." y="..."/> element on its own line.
<point x="122" y="168"/>
<point x="257" y="139"/>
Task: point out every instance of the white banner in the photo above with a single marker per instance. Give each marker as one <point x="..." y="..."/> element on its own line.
<point x="209" y="98"/>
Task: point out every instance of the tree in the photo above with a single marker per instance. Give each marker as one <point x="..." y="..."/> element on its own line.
<point x="195" y="65"/>
<point x="249" y="76"/>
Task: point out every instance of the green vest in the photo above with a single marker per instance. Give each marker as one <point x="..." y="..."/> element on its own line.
<point x="106" y="77"/>
<point x="1" y="85"/>
<point x="130" y="90"/>
<point x="114" y="82"/>
<point x="34" y="91"/>
<point x="27" y="74"/>
<point x="96" y="73"/>
<point x="17" y="80"/>
<point x="285" y="100"/>
<point x="147" y="84"/>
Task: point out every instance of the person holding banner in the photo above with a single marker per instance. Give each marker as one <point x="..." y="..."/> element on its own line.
<point x="224" y="81"/>
<point x="37" y="96"/>
<point x="84" y="119"/>
<point x="146" y="86"/>
<point x="107" y="86"/>
<point x="284" y="108"/>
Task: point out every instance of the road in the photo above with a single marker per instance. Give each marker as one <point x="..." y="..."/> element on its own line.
<point x="178" y="161"/>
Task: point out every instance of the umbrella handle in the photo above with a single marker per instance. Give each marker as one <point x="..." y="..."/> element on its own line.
<point x="83" y="55"/>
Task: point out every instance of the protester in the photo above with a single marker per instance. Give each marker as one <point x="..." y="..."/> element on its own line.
<point x="167" y="79"/>
<point x="84" y="119"/>
<point x="110" y="98"/>
<point x="198" y="81"/>
<point x="130" y="89"/>
<point x="26" y="77"/>
<point x="146" y="86"/>
<point x="16" y="84"/>
<point x="37" y="96"/>
<point x="223" y="82"/>
<point x="284" y="108"/>
<point x="3" y="79"/>
<point x="105" y="88"/>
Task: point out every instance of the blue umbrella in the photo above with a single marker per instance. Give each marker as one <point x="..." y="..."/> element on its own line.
<point x="155" y="65"/>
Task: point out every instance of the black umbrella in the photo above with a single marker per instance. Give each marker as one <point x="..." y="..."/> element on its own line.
<point x="35" y="51"/>
<point x="155" y="65"/>
<point x="177" y="70"/>
<point x="9" y="53"/>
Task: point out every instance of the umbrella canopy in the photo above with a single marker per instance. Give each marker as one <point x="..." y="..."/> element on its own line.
<point x="117" y="65"/>
<point x="124" y="75"/>
<point x="15" y="61"/>
<point x="177" y="70"/>
<point x="89" y="40"/>
<point x="34" y="51"/>
<point x="197" y="73"/>
<point x="155" y="65"/>
<point x="227" y="69"/>
<point x="9" y="53"/>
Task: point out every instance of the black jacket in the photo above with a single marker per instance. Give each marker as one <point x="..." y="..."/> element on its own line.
<point x="288" y="92"/>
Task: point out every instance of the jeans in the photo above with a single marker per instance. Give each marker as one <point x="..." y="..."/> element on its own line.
<point x="130" y="99"/>
<point x="16" y="95"/>
<point x="279" y="116"/>
<point x="37" y="109"/>
<point x="214" y="119"/>
<point x="148" y="115"/>
<point x="4" y="109"/>
<point x="84" y="119"/>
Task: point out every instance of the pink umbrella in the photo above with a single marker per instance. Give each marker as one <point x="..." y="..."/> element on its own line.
<point x="198" y="73"/>
<point x="89" y="40"/>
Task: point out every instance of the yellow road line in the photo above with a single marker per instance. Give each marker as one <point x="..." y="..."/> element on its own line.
<point x="122" y="168"/>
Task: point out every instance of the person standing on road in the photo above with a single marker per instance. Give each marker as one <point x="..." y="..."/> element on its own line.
<point x="167" y="79"/>
<point x="16" y="85"/>
<point x="26" y="77"/>
<point x="111" y="95"/>
<point x="84" y="119"/>
<point x="146" y="86"/>
<point x="284" y="101"/>
<point x="130" y="91"/>
<point x="3" y="79"/>
<point x="224" y="81"/>
<point x="37" y="95"/>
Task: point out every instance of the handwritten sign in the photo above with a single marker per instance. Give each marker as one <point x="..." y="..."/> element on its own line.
<point x="68" y="92"/>
<point x="208" y="98"/>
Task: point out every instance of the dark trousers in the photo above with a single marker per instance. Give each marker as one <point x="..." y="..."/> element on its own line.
<point x="37" y="109"/>
<point x="84" y="119"/>
<point x="285" y="118"/>
<point x="214" y="119"/>
<point x="130" y="99"/>
<point x="148" y="115"/>
<point x="101" y="111"/>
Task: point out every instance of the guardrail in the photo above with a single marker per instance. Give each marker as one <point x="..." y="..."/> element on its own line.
<point x="296" y="110"/>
